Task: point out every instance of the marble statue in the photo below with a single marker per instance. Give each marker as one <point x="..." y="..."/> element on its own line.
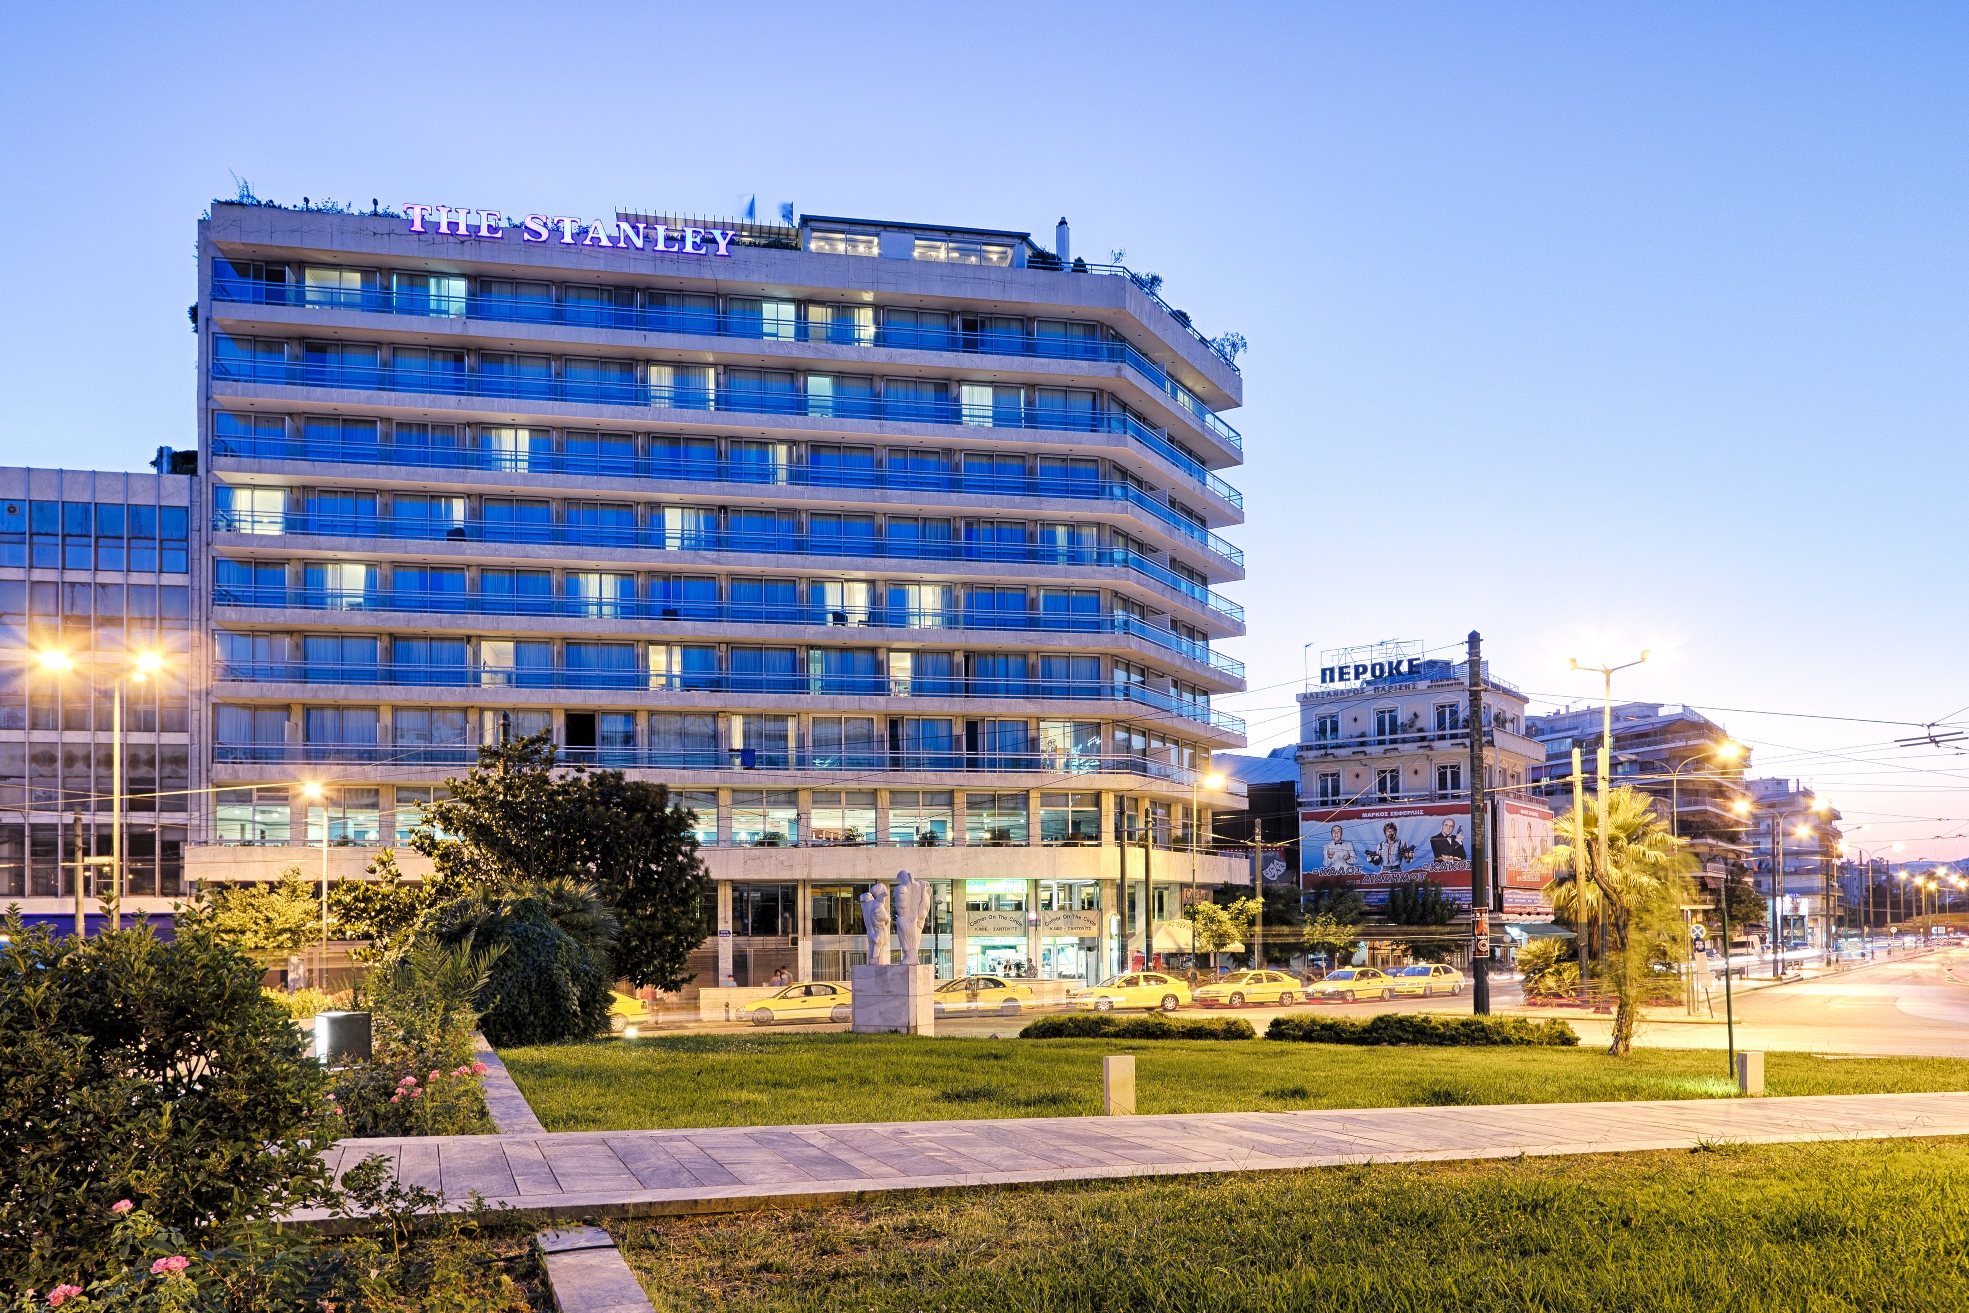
<point x="912" y="906"/>
<point x="875" y="920"/>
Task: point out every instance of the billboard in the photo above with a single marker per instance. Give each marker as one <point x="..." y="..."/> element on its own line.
<point x="1372" y="848"/>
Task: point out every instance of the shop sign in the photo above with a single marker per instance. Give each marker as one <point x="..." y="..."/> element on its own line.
<point x="1070" y="922"/>
<point x="567" y="230"/>
<point x="994" y="923"/>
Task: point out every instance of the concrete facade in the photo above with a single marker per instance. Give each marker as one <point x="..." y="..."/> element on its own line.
<point x="907" y="549"/>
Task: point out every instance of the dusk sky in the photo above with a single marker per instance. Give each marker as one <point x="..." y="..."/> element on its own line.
<point x="1595" y="328"/>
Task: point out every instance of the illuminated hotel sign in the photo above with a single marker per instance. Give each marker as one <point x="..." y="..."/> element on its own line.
<point x="1394" y="659"/>
<point x="565" y="230"/>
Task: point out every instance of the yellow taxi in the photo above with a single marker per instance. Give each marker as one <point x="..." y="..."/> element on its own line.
<point x="1351" y="984"/>
<point x="1427" y="978"/>
<point x="1242" y="987"/>
<point x="981" y="994"/>
<point x="815" y="1001"/>
<point x="1136" y="989"/>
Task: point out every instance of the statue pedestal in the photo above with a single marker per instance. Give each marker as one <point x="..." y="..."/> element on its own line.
<point x="893" y="999"/>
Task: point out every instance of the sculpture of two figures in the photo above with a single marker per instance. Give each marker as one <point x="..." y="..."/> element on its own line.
<point x="912" y="906"/>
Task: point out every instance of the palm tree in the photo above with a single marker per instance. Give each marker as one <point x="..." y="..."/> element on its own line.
<point x="1636" y="900"/>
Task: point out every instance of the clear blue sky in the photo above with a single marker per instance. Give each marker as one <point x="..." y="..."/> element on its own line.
<point x="1593" y="327"/>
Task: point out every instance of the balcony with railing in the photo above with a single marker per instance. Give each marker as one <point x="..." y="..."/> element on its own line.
<point x="705" y="322"/>
<point x="918" y="623"/>
<point x="664" y="538"/>
<point x="628" y="465"/>
<point x="386" y="674"/>
<point x="632" y="392"/>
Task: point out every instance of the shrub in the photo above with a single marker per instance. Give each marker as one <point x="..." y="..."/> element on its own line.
<point x="141" y="1069"/>
<point x="1417" y="1028"/>
<point x="304" y="1003"/>
<point x="552" y="977"/>
<point x="422" y="1078"/>
<point x="1103" y="1025"/>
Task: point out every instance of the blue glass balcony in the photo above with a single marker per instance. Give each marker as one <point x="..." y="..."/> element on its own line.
<point x="629" y="392"/>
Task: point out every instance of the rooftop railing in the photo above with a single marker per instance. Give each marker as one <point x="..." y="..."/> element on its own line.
<point x="920" y="622"/>
<point x="937" y="761"/>
<point x="659" y="537"/>
<point x="603" y="464"/>
<point x="726" y="324"/>
<point x="796" y="683"/>
<point x="625" y="390"/>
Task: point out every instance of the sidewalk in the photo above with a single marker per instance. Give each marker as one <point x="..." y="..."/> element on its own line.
<point x="587" y="1174"/>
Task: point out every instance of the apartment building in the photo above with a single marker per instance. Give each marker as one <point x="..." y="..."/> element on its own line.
<point x="861" y="536"/>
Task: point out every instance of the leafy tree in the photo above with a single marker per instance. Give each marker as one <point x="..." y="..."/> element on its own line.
<point x="1328" y="934"/>
<point x="1336" y="898"/>
<point x="1747" y="908"/>
<point x="551" y="979"/>
<point x="1636" y="899"/>
<point x="133" y="1068"/>
<point x="268" y="920"/>
<point x="383" y="910"/>
<point x="514" y="820"/>
<point x="1217" y="927"/>
<point x="1419" y="902"/>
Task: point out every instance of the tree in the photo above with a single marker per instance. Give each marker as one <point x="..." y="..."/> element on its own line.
<point x="550" y="979"/>
<point x="383" y="910"/>
<point x="1216" y="928"/>
<point x="267" y="920"/>
<point x="1746" y="907"/>
<point x="1419" y="902"/>
<point x="1328" y="934"/>
<point x="1337" y="898"/>
<point x="1636" y="899"/>
<point x="514" y="820"/>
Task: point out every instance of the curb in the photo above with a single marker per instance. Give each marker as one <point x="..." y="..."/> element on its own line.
<point x="511" y="1113"/>
<point x="587" y="1273"/>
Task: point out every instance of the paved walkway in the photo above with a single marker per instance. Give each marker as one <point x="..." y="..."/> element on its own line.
<point x="641" y="1173"/>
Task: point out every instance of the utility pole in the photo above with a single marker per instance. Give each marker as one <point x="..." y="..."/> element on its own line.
<point x="1479" y="849"/>
<point x="1579" y="865"/>
<point x="1777" y="896"/>
<point x="81" y="922"/>
<point x="1258" y="887"/>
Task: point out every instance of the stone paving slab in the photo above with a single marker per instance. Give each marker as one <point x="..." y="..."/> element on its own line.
<point x="723" y="1169"/>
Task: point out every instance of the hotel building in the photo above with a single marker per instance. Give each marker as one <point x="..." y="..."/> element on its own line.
<point x="861" y="536"/>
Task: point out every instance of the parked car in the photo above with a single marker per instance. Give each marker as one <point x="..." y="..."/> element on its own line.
<point x="1427" y="978"/>
<point x="981" y="994"/>
<point x="1136" y="989"/>
<point x="817" y="1001"/>
<point x="1351" y="984"/>
<point x="1241" y="987"/>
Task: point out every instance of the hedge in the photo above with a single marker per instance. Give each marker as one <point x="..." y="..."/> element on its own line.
<point x="1421" y="1028"/>
<point x="1102" y="1025"/>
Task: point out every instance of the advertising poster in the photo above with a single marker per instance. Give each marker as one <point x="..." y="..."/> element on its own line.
<point x="1372" y="848"/>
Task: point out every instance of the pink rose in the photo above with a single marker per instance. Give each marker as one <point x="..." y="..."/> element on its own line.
<point x="175" y="1263"/>
<point x="121" y="1206"/>
<point x="60" y="1295"/>
<point x="480" y="1069"/>
<point x="437" y="1075"/>
<point x="406" y="1082"/>
<point x="460" y="1071"/>
<point x="417" y="1094"/>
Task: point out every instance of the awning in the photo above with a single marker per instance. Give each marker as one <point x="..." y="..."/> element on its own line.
<point x="1174" y="937"/>
<point x="1530" y="930"/>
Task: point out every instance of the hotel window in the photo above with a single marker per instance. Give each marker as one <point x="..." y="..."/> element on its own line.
<point x="341" y="511"/>
<point x="353" y="816"/>
<point x="253" y="816"/>
<point x="504" y="299"/>
<point x="349" y="289"/>
<point x="1449" y="718"/>
<point x="615" y="731"/>
<point x="248" y="583"/>
<point x="427" y="438"/>
<point x="340" y="658"/>
<point x="612" y="523"/>
<point x="919" y="818"/>
<point x="1070" y="819"/>
<point x="1070" y="544"/>
<point x="1065" y="408"/>
<point x="1388" y="782"/>
<point x="505" y="663"/>
<point x="251" y="656"/>
<point x="1071" y="746"/>
<point x="426" y="587"/>
<point x="849" y="325"/>
<point x="420" y="659"/>
<point x="763" y="742"/>
<point x="427" y="516"/>
<point x="683" y="668"/>
<point x="991" y="405"/>
<point x="765" y="911"/>
<point x="847" y="396"/>
<point x="600" y="453"/>
<point x="602" y="307"/>
<point x="516" y="449"/>
<point x="413" y="804"/>
<point x="921" y="606"/>
<point x="703" y="805"/>
<point x="920" y="537"/>
<point x="843" y="670"/>
<point x="923" y="743"/>
<point x="251" y="733"/>
<point x="428" y="294"/>
<point x="682" y="312"/>
<point x="767" y="818"/>
<point x="995" y="820"/>
<point x="681" y="387"/>
<point x="766" y="670"/>
<point x="249" y="510"/>
<point x="349" y="727"/>
<point x="341" y="364"/>
<point x="251" y="360"/>
<point x="509" y="374"/>
<point x="685" y="738"/>
<point x="1070" y="677"/>
<point x="963" y="252"/>
<point x="341" y="585"/>
<point x="845" y="743"/>
<point x="841" y="467"/>
<point x="755" y="461"/>
<point x="841" y="602"/>
<point x="912" y="468"/>
<point x="1063" y="340"/>
<point x="756" y="317"/>
<point x="1449" y="779"/>
<point x="601" y="665"/>
<point x="429" y="727"/>
<point x="585" y="378"/>
<point x="511" y="726"/>
<point x="841" y="535"/>
<point x="249" y="435"/>
<point x="1069" y="477"/>
<point x="843" y="243"/>
<point x="1326" y="729"/>
<point x="516" y="592"/>
<point x="843" y="817"/>
<point x="1329" y="786"/>
<point x="428" y="369"/>
<point x="1387" y="722"/>
<point x="608" y="596"/>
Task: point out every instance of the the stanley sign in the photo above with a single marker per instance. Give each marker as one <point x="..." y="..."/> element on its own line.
<point x="565" y="230"/>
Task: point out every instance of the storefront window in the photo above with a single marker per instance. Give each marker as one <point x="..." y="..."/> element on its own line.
<point x="919" y="819"/>
<point x="844" y="817"/>
<point x="1072" y="819"/>
<point x="353" y="816"/>
<point x="995" y="820"/>
<point x="705" y="804"/>
<point x="836" y="909"/>
<point x="765" y="819"/>
<point x="253" y="816"/>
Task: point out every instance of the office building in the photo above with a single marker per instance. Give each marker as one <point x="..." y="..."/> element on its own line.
<point x="861" y="536"/>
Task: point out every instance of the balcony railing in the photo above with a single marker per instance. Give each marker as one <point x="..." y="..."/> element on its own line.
<point x="936" y="760"/>
<point x="677" y="469"/>
<point x="949" y="619"/>
<point x="663" y="538"/>
<point x="712" y="323"/>
<point x="797" y="683"/>
<point x="626" y="391"/>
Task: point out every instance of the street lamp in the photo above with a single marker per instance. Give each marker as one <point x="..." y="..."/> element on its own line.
<point x="1726" y="751"/>
<point x="1606" y="768"/>
<point x="1212" y="781"/>
<point x="314" y="790"/>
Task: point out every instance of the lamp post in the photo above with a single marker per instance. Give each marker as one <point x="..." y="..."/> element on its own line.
<point x="314" y="790"/>
<point x="1778" y="819"/>
<point x="142" y="666"/>
<point x="1214" y="781"/>
<point x="1725" y="751"/>
<point x="1606" y="768"/>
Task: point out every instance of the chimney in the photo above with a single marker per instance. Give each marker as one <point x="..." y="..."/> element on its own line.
<point x="1062" y="239"/>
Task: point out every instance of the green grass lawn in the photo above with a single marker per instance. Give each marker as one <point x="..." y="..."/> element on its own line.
<point x="759" y="1080"/>
<point x="1877" y="1225"/>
